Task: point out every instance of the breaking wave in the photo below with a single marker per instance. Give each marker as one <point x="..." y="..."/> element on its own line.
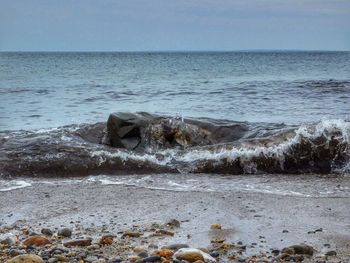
<point x="195" y="146"/>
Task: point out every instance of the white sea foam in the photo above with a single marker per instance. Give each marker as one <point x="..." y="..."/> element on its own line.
<point x="13" y="185"/>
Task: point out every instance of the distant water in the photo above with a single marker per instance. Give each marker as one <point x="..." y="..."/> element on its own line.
<point x="41" y="90"/>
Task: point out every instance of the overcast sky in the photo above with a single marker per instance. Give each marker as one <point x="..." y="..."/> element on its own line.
<point x="137" y="25"/>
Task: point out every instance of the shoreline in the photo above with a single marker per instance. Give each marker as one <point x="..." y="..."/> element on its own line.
<point x="270" y="221"/>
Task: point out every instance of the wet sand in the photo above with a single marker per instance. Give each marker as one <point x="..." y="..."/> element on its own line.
<point x="271" y="221"/>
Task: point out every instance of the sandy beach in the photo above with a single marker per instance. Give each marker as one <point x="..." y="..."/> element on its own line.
<point x="260" y="221"/>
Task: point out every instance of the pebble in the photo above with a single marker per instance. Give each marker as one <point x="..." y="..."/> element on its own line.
<point x="139" y="249"/>
<point x="152" y="259"/>
<point x="215" y="254"/>
<point x="93" y="247"/>
<point x="8" y="239"/>
<point x="27" y="258"/>
<point x="193" y="255"/>
<point x="215" y="226"/>
<point x="65" y="232"/>
<point x="47" y="232"/>
<point x="176" y="247"/>
<point x="131" y="234"/>
<point x="106" y="240"/>
<point x="91" y="259"/>
<point x="143" y="254"/>
<point x="174" y="223"/>
<point x="78" y="242"/>
<point x="36" y="241"/>
<point x="299" y="249"/>
<point x="331" y="253"/>
<point x="164" y="253"/>
<point x="16" y="252"/>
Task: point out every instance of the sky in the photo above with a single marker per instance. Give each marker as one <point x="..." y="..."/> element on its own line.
<point x="164" y="25"/>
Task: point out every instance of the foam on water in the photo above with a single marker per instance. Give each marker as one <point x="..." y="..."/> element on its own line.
<point x="13" y="185"/>
<point x="245" y="152"/>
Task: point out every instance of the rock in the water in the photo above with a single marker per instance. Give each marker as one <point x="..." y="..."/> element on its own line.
<point x="27" y="258"/>
<point x="78" y="243"/>
<point x="124" y="129"/>
<point x="36" y="241"/>
<point x="299" y="249"/>
<point x="131" y="131"/>
<point x="193" y="255"/>
<point x="8" y="239"/>
<point x="64" y="232"/>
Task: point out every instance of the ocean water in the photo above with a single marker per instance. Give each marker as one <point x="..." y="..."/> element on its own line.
<point x="46" y="90"/>
<point x="288" y="114"/>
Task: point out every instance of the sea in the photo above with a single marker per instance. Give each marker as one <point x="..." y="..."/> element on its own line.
<point x="292" y="108"/>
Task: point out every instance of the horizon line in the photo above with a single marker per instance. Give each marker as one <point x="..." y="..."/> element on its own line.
<point x="172" y="51"/>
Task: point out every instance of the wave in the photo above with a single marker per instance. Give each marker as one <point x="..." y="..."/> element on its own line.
<point x="143" y="143"/>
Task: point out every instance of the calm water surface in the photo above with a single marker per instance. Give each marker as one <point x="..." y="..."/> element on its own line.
<point x="41" y="90"/>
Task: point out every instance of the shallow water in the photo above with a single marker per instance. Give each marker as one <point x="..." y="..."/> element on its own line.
<point x="310" y="185"/>
<point x="40" y="90"/>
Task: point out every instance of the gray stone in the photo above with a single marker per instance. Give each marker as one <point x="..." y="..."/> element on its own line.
<point x="46" y="231"/>
<point x="8" y="239"/>
<point x="64" y="232"/>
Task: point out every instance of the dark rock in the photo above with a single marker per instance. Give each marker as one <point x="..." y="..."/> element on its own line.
<point x="331" y="253"/>
<point x="124" y="130"/>
<point x="176" y="246"/>
<point x="215" y="254"/>
<point x="16" y="252"/>
<point x="64" y="232"/>
<point x="285" y="231"/>
<point x="299" y="249"/>
<point x="152" y="259"/>
<point x="275" y="251"/>
<point x="8" y="239"/>
<point x="143" y="255"/>
<point x="46" y="231"/>
<point x="78" y="242"/>
<point x="174" y="223"/>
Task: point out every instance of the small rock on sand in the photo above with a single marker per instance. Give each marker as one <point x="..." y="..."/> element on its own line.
<point x="193" y="255"/>
<point x="8" y="239"/>
<point x="64" y="232"/>
<point x="27" y="258"/>
<point x="36" y="241"/>
<point x="299" y="249"/>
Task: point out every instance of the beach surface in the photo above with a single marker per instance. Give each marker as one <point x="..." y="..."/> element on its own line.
<point x="261" y="221"/>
